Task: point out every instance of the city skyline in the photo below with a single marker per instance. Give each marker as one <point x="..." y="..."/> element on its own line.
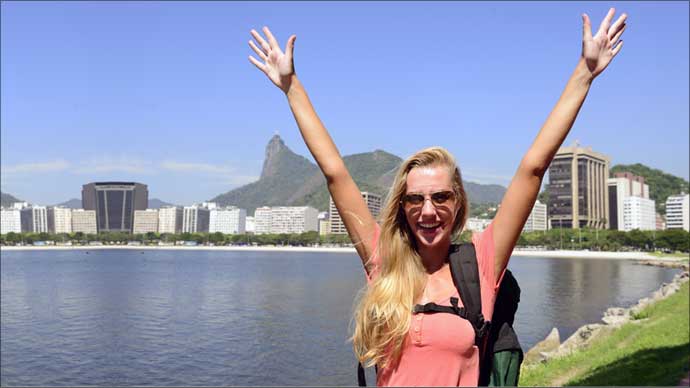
<point x="172" y="98"/>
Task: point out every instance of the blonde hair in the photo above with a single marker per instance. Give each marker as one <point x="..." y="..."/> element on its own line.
<point x="382" y="316"/>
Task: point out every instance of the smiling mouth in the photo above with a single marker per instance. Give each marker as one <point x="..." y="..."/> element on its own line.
<point x="429" y="227"/>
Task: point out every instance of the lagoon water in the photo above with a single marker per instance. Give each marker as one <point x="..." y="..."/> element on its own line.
<point x="164" y="318"/>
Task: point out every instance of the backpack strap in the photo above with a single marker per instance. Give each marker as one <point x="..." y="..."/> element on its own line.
<point x="465" y="273"/>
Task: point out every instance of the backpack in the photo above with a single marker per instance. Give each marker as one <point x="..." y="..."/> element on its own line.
<point x="500" y="351"/>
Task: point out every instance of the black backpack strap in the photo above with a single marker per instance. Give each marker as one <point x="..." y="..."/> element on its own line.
<point x="361" y="378"/>
<point x="465" y="272"/>
<point x="431" y="308"/>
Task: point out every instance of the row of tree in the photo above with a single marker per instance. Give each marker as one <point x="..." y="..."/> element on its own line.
<point x="578" y="239"/>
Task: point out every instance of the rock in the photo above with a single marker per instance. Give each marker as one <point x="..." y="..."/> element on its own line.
<point x="540" y="351"/>
<point x="616" y="316"/>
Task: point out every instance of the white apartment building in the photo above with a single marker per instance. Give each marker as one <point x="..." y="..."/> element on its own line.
<point x="678" y="212"/>
<point x="145" y="221"/>
<point x="262" y="220"/>
<point x="170" y="220"/>
<point x="477" y="224"/>
<point x="59" y="219"/>
<point x="286" y="219"/>
<point x="84" y="221"/>
<point x="373" y="201"/>
<point x="10" y="220"/>
<point x="228" y="220"/>
<point x="34" y="219"/>
<point x="195" y="218"/>
<point x="634" y="215"/>
<point x="639" y="213"/>
<point x="249" y="225"/>
<point x="537" y="218"/>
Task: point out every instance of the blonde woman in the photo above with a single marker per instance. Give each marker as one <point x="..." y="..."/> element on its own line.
<point x="406" y="256"/>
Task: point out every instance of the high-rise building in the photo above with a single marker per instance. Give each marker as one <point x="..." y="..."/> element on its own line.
<point x="262" y="220"/>
<point x="195" y="218"/>
<point x="373" y="201"/>
<point x="678" y="212"/>
<point x="228" y="220"/>
<point x="59" y="219"/>
<point x="638" y="213"/>
<point x="10" y="220"/>
<point x="84" y="221"/>
<point x="285" y="219"/>
<point x="536" y="219"/>
<point x="250" y="226"/>
<point x="294" y="219"/>
<point x="477" y="224"/>
<point x="626" y="213"/>
<point x="145" y="221"/>
<point x="114" y="203"/>
<point x="578" y="193"/>
<point x="170" y="220"/>
<point x="34" y="219"/>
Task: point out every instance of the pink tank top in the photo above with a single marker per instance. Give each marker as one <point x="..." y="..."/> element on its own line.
<point x="439" y="349"/>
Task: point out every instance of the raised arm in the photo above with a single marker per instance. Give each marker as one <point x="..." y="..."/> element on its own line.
<point x="279" y="68"/>
<point x="597" y="53"/>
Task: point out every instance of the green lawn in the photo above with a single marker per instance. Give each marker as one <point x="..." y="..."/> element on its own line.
<point x="653" y="350"/>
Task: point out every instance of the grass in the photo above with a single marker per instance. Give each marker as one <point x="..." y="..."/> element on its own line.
<point x="654" y="349"/>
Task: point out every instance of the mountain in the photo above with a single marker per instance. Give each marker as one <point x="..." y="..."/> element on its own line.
<point x="7" y="200"/>
<point x="661" y="184"/>
<point x="155" y="203"/>
<point x="289" y="179"/>
<point x="73" y="203"/>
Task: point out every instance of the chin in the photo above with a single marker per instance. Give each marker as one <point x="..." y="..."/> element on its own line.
<point x="424" y="240"/>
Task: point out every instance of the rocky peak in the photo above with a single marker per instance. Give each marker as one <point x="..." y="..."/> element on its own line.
<point x="274" y="147"/>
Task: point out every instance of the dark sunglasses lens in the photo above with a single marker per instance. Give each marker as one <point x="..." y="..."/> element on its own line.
<point x="414" y="199"/>
<point x="441" y="197"/>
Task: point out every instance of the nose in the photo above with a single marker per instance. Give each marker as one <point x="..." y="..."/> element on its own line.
<point x="428" y="209"/>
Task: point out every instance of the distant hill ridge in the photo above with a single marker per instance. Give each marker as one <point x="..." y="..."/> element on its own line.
<point x="6" y="200"/>
<point x="74" y="203"/>
<point x="288" y="179"/>
<point x="661" y="185"/>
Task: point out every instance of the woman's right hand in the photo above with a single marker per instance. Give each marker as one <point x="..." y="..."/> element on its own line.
<point x="277" y="66"/>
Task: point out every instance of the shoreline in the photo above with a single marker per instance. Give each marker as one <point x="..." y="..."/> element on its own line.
<point x="565" y="254"/>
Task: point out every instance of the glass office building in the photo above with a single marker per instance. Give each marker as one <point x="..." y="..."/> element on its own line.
<point x="114" y="203"/>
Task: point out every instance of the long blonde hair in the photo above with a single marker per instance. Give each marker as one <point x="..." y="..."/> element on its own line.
<point x="382" y="316"/>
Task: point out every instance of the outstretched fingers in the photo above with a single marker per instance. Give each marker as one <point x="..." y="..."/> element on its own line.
<point x="261" y="41"/>
<point x="617" y="26"/>
<point x="271" y="39"/>
<point x="258" y="64"/>
<point x="617" y="48"/>
<point x="615" y="38"/>
<point x="290" y="47"/>
<point x="586" y="27"/>
<point x="258" y="51"/>
<point x="606" y="23"/>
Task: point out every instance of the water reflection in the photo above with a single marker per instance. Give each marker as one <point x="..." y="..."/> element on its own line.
<point x="114" y="317"/>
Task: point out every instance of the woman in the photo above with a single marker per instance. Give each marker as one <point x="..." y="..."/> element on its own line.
<point x="406" y="257"/>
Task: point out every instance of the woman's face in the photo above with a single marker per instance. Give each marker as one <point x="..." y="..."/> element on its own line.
<point x="430" y="205"/>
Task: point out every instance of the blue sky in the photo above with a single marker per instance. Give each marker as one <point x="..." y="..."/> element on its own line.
<point x="162" y="92"/>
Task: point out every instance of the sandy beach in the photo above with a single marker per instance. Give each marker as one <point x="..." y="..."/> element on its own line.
<point x="566" y="254"/>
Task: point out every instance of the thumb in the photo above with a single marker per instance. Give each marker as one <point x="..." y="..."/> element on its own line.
<point x="290" y="46"/>
<point x="586" y="27"/>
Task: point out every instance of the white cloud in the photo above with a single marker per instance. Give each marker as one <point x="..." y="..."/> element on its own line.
<point x="222" y="174"/>
<point x="120" y="164"/>
<point x="196" y="167"/>
<point x="41" y="167"/>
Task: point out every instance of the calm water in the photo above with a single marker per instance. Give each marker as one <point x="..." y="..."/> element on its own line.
<point x="238" y="318"/>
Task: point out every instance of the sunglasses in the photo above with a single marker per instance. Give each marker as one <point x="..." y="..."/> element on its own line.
<point x="438" y="198"/>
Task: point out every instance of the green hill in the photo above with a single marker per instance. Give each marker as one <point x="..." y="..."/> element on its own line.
<point x="288" y="179"/>
<point x="661" y="184"/>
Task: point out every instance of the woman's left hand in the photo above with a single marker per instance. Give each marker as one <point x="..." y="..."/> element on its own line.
<point x="598" y="51"/>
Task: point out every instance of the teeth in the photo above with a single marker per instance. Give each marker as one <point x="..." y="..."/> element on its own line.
<point x="429" y="225"/>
